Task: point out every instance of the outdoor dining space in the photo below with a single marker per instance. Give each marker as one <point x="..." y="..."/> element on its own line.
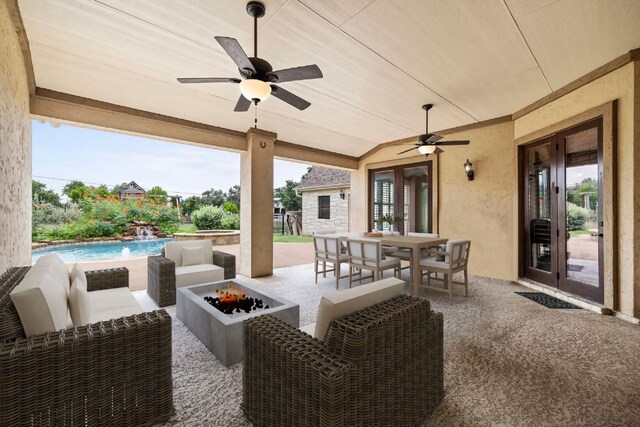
<point x="427" y="254"/>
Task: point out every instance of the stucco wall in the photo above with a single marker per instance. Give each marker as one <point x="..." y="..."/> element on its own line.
<point x="617" y="85"/>
<point x="15" y="150"/>
<point x="483" y="210"/>
<point x="339" y="211"/>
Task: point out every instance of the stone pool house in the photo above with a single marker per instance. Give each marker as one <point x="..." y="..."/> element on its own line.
<point x="546" y="93"/>
<point x="325" y="200"/>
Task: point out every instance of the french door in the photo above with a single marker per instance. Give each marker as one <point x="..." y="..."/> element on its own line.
<point x="563" y="227"/>
<point x="402" y="189"/>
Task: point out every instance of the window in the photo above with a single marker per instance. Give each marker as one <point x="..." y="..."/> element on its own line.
<point x="324" y="207"/>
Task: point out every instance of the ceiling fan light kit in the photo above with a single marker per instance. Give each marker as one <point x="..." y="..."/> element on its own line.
<point x="427" y="149"/>
<point x="255" y="90"/>
<point x="258" y="80"/>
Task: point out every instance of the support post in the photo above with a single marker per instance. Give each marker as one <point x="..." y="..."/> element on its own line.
<point x="256" y="204"/>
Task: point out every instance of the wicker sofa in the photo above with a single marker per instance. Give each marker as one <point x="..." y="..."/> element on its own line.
<point x="110" y="373"/>
<point x="163" y="270"/>
<point x="379" y="366"/>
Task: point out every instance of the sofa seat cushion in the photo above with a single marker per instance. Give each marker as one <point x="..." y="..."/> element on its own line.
<point x="342" y="303"/>
<point x="110" y="304"/>
<point x="41" y="298"/>
<point x="197" y="274"/>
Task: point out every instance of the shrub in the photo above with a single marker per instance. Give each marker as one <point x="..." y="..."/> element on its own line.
<point x="230" y="221"/>
<point x="576" y="216"/>
<point x="208" y="218"/>
<point x="230" y="207"/>
<point x="106" y="216"/>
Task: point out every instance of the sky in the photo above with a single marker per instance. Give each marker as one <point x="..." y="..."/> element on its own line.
<point x="65" y="153"/>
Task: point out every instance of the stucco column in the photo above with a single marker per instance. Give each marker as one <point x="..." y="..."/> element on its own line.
<point x="256" y="204"/>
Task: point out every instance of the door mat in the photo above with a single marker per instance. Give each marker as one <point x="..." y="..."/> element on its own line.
<point x="573" y="267"/>
<point x="547" y="300"/>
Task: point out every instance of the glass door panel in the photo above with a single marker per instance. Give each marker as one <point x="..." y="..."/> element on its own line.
<point x="580" y="223"/>
<point x="539" y="210"/>
<point x="383" y="197"/>
<point x="416" y="199"/>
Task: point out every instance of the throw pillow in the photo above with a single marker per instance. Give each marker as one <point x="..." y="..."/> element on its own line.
<point x="78" y="298"/>
<point x="192" y="256"/>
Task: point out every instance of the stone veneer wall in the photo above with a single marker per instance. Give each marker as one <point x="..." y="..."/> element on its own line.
<point x="15" y="150"/>
<point x="339" y="212"/>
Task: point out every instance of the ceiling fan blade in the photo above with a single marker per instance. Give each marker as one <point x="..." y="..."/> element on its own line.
<point x="208" y="80"/>
<point x="305" y="72"/>
<point x="452" y="143"/>
<point x="234" y="50"/>
<point x="406" y="151"/>
<point x="429" y="138"/>
<point x="289" y="98"/>
<point x="434" y="138"/>
<point x="438" y="151"/>
<point x="243" y="104"/>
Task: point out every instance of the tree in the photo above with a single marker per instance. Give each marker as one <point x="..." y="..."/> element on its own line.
<point x="213" y="197"/>
<point x="287" y="195"/>
<point x="41" y="194"/>
<point x="117" y="188"/>
<point x="157" y="191"/>
<point x="234" y="195"/>
<point x="75" y="190"/>
<point x="190" y="205"/>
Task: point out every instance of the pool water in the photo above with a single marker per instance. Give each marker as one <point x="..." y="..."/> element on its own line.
<point x="94" y="251"/>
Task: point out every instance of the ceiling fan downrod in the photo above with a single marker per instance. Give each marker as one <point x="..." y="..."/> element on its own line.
<point x="255" y="9"/>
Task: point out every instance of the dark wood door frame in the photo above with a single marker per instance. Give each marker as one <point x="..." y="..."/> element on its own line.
<point x="398" y="197"/>
<point x="558" y="276"/>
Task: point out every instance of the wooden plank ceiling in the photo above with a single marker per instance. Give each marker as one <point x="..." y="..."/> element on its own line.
<point x="382" y="59"/>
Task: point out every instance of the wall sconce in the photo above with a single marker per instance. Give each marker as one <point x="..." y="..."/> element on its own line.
<point x="342" y="194"/>
<point x="468" y="169"/>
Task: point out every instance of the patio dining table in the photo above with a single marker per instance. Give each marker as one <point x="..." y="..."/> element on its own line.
<point x="414" y="243"/>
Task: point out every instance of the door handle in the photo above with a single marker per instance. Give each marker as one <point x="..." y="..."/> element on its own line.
<point x="600" y="235"/>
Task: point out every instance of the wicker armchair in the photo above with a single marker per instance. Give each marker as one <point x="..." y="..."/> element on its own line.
<point x="112" y="373"/>
<point x="380" y="366"/>
<point x="162" y="276"/>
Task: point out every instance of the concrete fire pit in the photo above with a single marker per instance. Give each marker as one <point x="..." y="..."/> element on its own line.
<point x="222" y="333"/>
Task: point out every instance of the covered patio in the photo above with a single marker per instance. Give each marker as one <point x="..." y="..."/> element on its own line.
<point x="542" y="90"/>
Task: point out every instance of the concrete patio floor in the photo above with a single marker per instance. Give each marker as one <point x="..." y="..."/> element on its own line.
<point x="508" y="360"/>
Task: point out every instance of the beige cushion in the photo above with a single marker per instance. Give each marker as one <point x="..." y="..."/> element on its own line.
<point x="342" y="303"/>
<point x="173" y="250"/>
<point x="41" y="299"/>
<point x="112" y="304"/>
<point x="99" y="306"/>
<point x="192" y="256"/>
<point x="79" y="298"/>
<point x="197" y="274"/>
<point x="57" y="268"/>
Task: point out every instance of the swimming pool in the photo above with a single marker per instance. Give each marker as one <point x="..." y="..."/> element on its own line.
<point x="95" y="251"/>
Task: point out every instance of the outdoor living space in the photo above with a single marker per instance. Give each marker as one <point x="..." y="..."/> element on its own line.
<point x="489" y="178"/>
<point x="506" y="357"/>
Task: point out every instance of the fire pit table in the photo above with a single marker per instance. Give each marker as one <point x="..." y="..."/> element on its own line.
<point x="222" y="333"/>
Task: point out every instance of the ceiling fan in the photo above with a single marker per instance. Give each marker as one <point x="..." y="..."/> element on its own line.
<point x="258" y="79"/>
<point x="429" y="143"/>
